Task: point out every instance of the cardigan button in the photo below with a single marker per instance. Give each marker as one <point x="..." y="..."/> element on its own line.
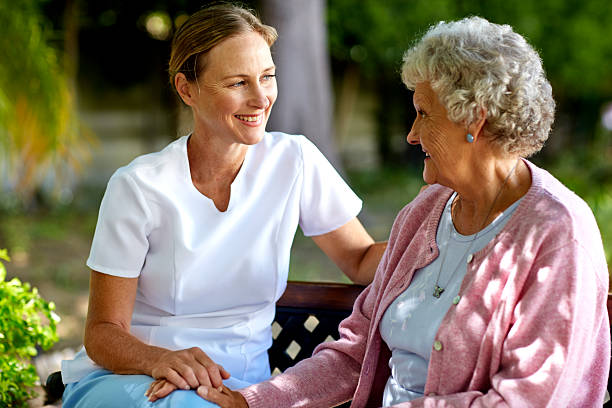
<point x="456" y="299"/>
<point x="437" y="345"/>
<point x="469" y="258"/>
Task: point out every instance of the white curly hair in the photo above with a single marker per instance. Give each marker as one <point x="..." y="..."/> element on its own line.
<point x="473" y="64"/>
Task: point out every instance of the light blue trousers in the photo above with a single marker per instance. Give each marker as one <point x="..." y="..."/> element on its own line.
<point x="103" y="389"/>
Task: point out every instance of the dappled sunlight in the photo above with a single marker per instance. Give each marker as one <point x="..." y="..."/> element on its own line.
<point x="543" y="274"/>
<point x="524" y="358"/>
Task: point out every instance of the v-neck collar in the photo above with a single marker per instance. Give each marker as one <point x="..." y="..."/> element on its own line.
<point x="235" y="187"/>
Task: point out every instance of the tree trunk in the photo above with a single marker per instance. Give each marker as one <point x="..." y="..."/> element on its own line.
<point x="305" y="102"/>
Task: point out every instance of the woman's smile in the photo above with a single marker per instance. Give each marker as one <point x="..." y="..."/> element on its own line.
<point x="251" y="120"/>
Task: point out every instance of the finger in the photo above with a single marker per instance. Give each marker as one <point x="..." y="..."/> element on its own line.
<point x="211" y="394"/>
<point x="156" y="392"/>
<point x="215" y="376"/>
<point x="188" y="374"/>
<point x="209" y="376"/>
<point x="224" y="373"/>
<point x="154" y="386"/>
<point x="201" y="372"/>
<point x="164" y="390"/>
<point x="176" y="379"/>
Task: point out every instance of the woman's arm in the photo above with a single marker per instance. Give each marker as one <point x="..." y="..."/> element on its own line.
<point x="353" y="250"/>
<point x="109" y="343"/>
<point x="557" y="352"/>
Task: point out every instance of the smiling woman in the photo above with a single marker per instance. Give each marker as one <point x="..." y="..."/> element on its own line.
<point x="191" y="249"/>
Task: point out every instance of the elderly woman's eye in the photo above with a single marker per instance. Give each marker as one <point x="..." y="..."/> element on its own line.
<point x="421" y="113"/>
<point x="238" y="84"/>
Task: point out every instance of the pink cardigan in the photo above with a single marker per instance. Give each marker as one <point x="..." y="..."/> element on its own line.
<point x="530" y="330"/>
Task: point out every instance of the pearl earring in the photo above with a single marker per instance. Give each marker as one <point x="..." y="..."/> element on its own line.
<point x="470" y="138"/>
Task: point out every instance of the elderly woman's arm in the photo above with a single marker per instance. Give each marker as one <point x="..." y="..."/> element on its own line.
<point x="556" y="352"/>
<point x="353" y="250"/>
<point x="109" y="343"/>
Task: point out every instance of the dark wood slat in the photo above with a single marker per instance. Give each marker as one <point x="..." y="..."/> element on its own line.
<point x="317" y="295"/>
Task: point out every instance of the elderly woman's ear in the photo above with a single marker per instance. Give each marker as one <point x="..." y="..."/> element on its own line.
<point x="476" y="127"/>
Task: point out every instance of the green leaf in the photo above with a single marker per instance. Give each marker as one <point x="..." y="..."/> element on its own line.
<point x="27" y="321"/>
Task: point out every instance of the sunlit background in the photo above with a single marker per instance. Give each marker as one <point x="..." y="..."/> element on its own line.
<point x="84" y="90"/>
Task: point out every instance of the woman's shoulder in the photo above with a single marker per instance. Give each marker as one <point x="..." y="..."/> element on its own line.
<point x="279" y="141"/>
<point x="423" y="211"/>
<point x="549" y="200"/>
<point x="162" y="162"/>
<point x="429" y="199"/>
<point x="552" y="213"/>
<point x="283" y="148"/>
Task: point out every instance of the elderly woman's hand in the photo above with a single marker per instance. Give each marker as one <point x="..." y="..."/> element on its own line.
<point x="223" y="397"/>
<point x="188" y="369"/>
<point x="159" y="389"/>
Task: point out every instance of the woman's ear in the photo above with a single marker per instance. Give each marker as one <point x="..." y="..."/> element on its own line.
<point x="183" y="88"/>
<point x="476" y="127"/>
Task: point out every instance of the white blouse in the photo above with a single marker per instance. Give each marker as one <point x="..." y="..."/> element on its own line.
<point x="209" y="278"/>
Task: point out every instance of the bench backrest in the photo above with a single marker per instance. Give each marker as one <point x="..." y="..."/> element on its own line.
<point x="308" y="314"/>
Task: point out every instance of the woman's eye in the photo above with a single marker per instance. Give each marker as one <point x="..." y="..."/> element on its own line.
<point x="421" y="113"/>
<point x="268" y="77"/>
<point x="238" y="84"/>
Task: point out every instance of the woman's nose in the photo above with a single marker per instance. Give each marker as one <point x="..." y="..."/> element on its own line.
<point x="259" y="97"/>
<point x="412" y="137"/>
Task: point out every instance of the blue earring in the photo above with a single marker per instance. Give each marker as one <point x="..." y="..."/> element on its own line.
<point x="470" y="138"/>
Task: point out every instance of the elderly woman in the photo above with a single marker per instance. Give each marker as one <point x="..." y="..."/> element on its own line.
<point x="191" y="250"/>
<point x="492" y="290"/>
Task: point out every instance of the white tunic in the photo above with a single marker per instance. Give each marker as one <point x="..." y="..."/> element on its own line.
<point x="209" y="278"/>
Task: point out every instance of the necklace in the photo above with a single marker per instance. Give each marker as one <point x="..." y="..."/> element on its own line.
<point x="438" y="290"/>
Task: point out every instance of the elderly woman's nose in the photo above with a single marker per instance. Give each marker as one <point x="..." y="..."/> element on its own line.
<point x="412" y="136"/>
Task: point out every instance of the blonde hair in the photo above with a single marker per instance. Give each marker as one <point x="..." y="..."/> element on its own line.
<point x="207" y="28"/>
<point x="473" y="64"/>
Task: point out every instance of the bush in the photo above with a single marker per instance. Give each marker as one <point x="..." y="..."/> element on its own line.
<point x="28" y="322"/>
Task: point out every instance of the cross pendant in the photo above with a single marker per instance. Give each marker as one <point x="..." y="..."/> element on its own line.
<point x="437" y="291"/>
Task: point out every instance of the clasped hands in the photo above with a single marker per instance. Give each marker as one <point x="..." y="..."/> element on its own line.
<point x="192" y="369"/>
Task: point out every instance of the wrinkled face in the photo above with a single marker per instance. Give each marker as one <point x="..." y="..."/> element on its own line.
<point x="235" y="92"/>
<point x="442" y="140"/>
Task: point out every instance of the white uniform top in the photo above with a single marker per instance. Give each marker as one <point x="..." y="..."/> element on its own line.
<point x="209" y="278"/>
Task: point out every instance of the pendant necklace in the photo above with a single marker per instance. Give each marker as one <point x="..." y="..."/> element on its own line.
<point x="438" y="290"/>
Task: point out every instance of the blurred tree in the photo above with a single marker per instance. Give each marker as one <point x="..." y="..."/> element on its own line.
<point x="305" y="102"/>
<point x="571" y="36"/>
<point x="40" y="142"/>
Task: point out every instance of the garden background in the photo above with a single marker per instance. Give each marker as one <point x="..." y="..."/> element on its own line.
<point x="83" y="90"/>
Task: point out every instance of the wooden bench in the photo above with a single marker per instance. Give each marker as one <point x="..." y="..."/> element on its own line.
<point x="307" y="314"/>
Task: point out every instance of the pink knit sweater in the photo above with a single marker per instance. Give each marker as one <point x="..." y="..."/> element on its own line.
<point x="531" y="328"/>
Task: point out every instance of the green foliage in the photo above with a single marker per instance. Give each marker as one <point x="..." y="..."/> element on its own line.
<point x="39" y="135"/>
<point x="572" y="36"/>
<point x="27" y="321"/>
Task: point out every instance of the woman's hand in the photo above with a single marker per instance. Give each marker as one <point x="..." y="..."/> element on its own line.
<point x="223" y="397"/>
<point x="188" y="369"/>
<point x="159" y="388"/>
